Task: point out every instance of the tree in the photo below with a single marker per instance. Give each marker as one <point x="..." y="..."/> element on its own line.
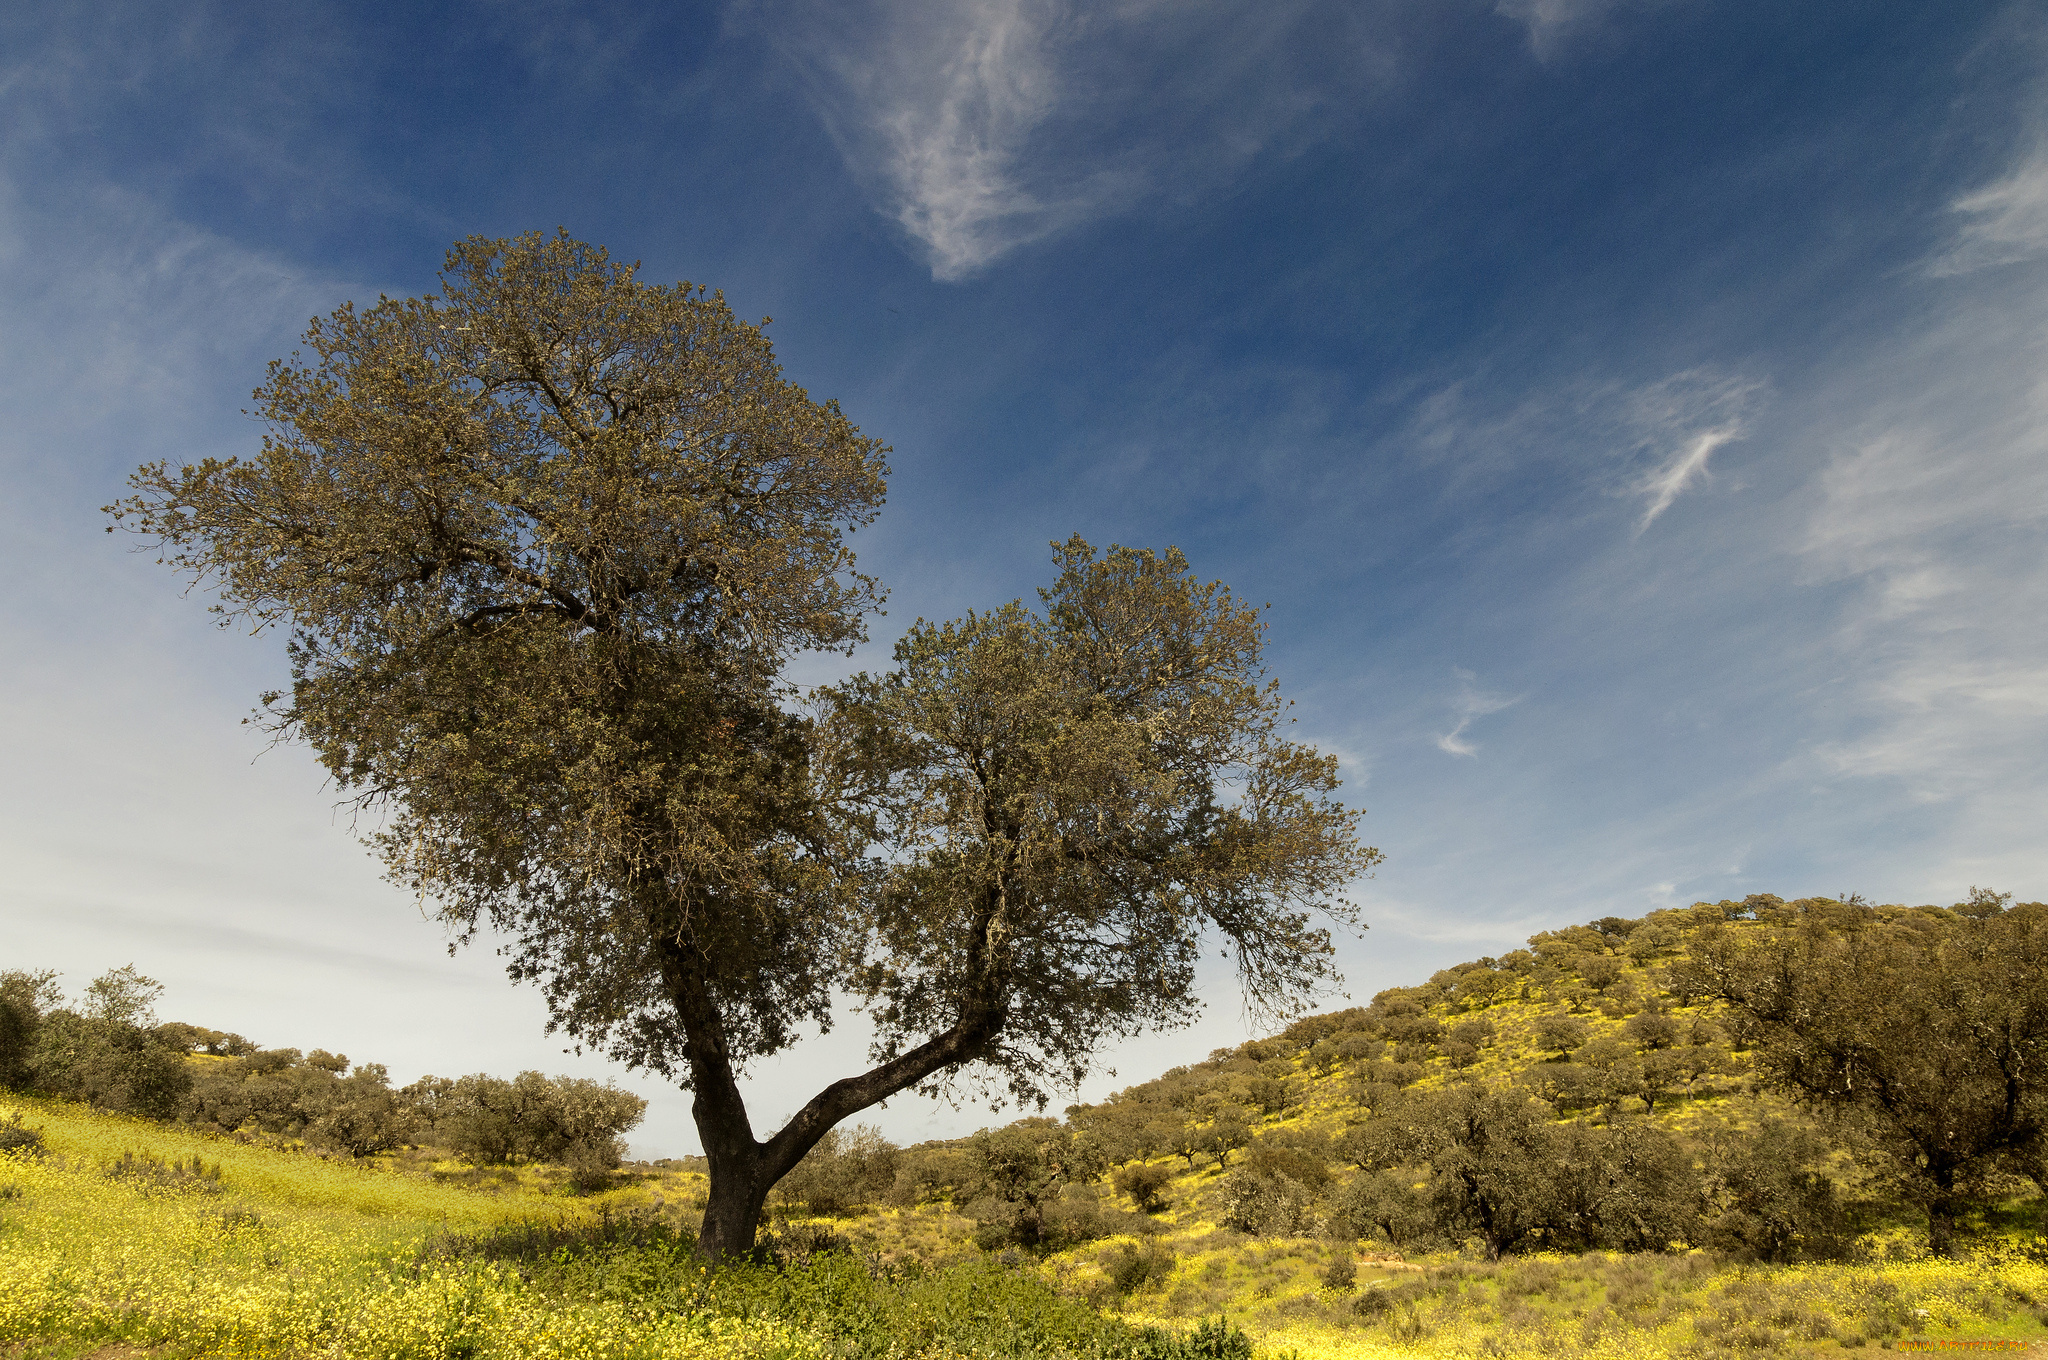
<point x="1493" y="1157"/>
<point x="1225" y="1133"/>
<point x="1020" y="1174"/>
<point x="25" y="997"/>
<point x="1562" y="1033"/>
<point x="1768" y="1191"/>
<point x="544" y="543"/>
<point x="122" y="996"/>
<point x="1146" y="1183"/>
<point x="1928" y="1028"/>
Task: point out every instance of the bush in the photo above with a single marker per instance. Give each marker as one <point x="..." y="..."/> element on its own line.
<point x="1146" y="1185"/>
<point x="553" y="1119"/>
<point x="1341" y="1274"/>
<point x="276" y="1091"/>
<point x="848" y="1170"/>
<point x="1215" y="1339"/>
<point x="16" y="1136"/>
<point x="1131" y="1268"/>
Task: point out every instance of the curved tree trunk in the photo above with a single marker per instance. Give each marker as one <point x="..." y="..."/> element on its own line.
<point x="744" y="1169"/>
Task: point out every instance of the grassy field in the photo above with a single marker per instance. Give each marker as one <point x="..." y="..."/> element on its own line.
<point x="132" y="1232"/>
<point x="128" y="1236"/>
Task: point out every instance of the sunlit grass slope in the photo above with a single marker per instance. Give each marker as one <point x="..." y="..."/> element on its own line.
<point x="137" y="1233"/>
<point x="1490" y="1022"/>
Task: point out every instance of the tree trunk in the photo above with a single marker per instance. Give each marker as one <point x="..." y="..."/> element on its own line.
<point x="1942" y="1212"/>
<point x="744" y="1169"/>
<point x="732" y="1211"/>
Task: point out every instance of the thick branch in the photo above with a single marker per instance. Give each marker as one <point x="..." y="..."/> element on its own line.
<point x="848" y="1096"/>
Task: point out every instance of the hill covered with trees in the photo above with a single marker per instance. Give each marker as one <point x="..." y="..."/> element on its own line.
<point x="1721" y="1128"/>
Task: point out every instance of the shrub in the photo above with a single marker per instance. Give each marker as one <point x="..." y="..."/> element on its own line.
<point x="1146" y="1185"/>
<point x="847" y="1170"/>
<point x="16" y="1136"/>
<point x="1131" y="1268"/>
<point x="1215" y="1339"/>
<point x="1341" y="1274"/>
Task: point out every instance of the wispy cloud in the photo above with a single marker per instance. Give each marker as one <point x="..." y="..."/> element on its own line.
<point x="982" y="125"/>
<point x="1551" y="22"/>
<point x="1682" y="421"/>
<point x="1470" y="704"/>
<point x="2004" y="222"/>
<point x="941" y="104"/>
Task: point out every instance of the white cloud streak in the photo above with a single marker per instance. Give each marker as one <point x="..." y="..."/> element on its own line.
<point x="980" y="126"/>
<point x="1682" y="421"/>
<point x="1551" y="22"/>
<point x="1470" y="704"/>
<point x="2004" y="222"/>
<point x="1687" y="467"/>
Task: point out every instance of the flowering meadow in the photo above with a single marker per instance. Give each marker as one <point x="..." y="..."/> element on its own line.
<point x="130" y="1234"/>
<point x="126" y="1231"/>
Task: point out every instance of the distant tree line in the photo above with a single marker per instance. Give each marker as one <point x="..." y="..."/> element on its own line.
<point x="109" y="1051"/>
<point x="1905" y="1036"/>
<point x="1517" y="1104"/>
<point x="1909" y="1039"/>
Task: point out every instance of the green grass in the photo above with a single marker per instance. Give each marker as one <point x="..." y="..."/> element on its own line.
<point x="127" y="1237"/>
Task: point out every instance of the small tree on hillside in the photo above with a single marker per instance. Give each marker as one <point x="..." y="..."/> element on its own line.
<point x="544" y="543"/>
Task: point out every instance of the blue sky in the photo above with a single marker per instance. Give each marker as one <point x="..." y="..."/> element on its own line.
<point x="1633" y="410"/>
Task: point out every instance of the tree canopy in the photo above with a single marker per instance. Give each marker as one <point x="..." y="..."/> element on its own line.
<point x="1926" y="1027"/>
<point x="543" y="544"/>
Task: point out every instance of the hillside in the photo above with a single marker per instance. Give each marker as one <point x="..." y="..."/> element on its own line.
<point x="1650" y="1195"/>
<point x="1263" y="1180"/>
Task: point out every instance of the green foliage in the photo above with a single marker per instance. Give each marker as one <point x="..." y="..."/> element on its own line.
<point x="109" y="1064"/>
<point x="1927" y="1029"/>
<point x="106" y="1053"/>
<point x="570" y="1120"/>
<point x="1146" y="1184"/>
<point x="849" y="1169"/>
<point x="277" y="1092"/>
<point x="1768" y="1194"/>
<point x="1031" y="1189"/>
<point x="25" y="996"/>
<point x="1131" y="1268"/>
<point x="122" y="996"/>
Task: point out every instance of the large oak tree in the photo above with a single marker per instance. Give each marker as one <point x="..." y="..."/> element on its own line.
<point x="544" y="543"/>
